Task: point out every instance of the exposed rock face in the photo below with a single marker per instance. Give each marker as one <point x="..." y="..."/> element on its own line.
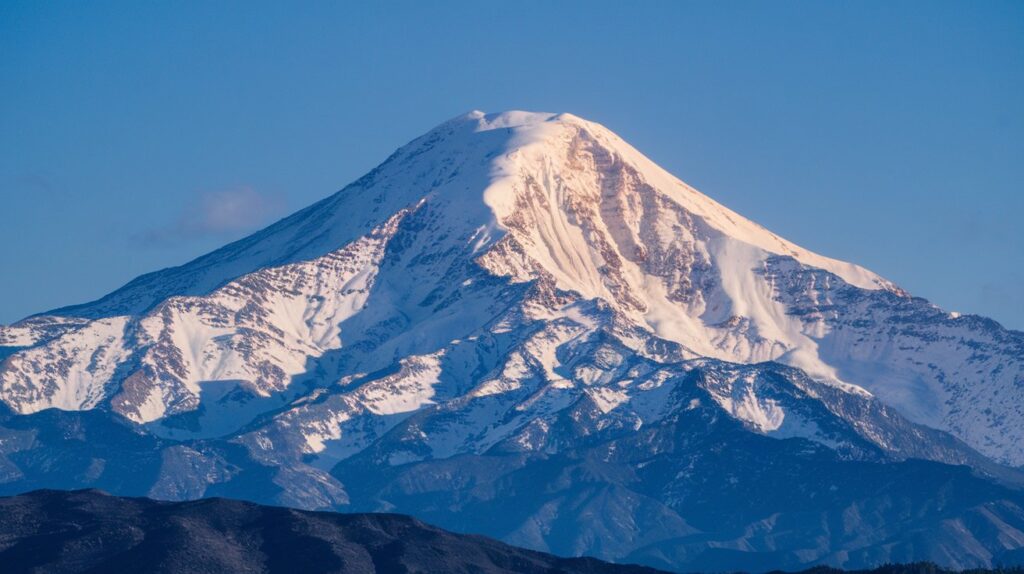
<point x="523" y="301"/>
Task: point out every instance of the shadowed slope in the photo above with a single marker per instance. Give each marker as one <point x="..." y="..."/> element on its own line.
<point x="89" y="531"/>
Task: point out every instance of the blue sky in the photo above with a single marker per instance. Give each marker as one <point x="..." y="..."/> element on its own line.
<point x="135" y="136"/>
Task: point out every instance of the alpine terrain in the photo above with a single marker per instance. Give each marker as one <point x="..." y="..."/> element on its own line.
<point x="519" y="326"/>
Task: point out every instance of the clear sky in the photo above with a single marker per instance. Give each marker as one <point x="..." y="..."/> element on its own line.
<point x="139" y="135"/>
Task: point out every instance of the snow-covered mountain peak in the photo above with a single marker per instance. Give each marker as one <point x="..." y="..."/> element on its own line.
<point x="477" y="261"/>
<point x="482" y="165"/>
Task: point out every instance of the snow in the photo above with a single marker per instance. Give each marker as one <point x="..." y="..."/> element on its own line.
<point x="410" y="389"/>
<point x="71" y="372"/>
<point x="746" y="404"/>
<point x="726" y="221"/>
<point x="510" y="241"/>
<point x="607" y="399"/>
<point x="562" y="248"/>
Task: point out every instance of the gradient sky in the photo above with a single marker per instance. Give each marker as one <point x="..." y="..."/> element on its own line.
<point x="139" y="135"/>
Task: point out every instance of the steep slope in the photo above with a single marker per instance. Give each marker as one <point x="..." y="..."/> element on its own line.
<point x="89" y="531"/>
<point x="507" y="198"/>
<point x="511" y="292"/>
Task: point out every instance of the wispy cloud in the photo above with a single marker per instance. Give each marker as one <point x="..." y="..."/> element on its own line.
<point x="34" y="182"/>
<point x="222" y="214"/>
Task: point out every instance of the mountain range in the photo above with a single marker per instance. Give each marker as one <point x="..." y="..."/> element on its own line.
<point x="519" y="326"/>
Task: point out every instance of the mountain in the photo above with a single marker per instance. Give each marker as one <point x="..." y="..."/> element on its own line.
<point x="518" y="325"/>
<point x="90" y="531"/>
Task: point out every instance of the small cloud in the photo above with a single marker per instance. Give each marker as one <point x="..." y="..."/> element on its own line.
<point x="223" y="213"/>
